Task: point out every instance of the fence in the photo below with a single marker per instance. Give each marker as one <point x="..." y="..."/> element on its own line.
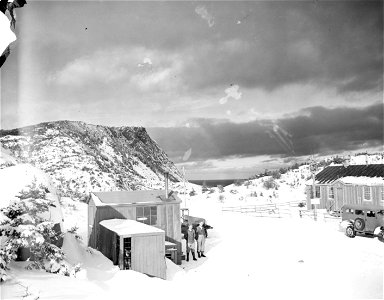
<point x="280" y="210"/>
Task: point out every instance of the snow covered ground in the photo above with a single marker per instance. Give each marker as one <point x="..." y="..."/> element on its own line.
<point x="248" y="257"/>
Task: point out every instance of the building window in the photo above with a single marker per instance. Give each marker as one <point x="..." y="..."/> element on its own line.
<point x="367" y="193"/>
<point x="146" y="214"/>
<point x="331" y="194"/>
<point x="317" y="192"/>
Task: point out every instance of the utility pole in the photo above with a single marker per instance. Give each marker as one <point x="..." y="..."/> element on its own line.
<point x="313" y="170"/>
<point x="185" y="190"/>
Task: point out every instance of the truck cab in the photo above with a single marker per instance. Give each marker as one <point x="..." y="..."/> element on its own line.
<point x="363" y="219"/>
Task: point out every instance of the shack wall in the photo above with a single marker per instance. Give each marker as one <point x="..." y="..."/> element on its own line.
<point x="106" y="213"/>
<point x="106" y="244"/>
<point x="354" y="194"/>
<point x="168" y="219"/>
<point x="148" y="254"/>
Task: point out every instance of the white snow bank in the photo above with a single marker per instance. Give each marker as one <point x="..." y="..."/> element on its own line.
<point x="174" y="272"/>
<point x="15" y="179"/>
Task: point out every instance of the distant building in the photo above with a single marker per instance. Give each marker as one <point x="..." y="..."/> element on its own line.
<point x="152" y="208"/>
<point x="353" y="184"/>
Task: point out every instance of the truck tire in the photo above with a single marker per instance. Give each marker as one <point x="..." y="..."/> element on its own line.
<point x="359" y="224"/>
<point x="350" y="232"/>
<point x="381" y="236"/>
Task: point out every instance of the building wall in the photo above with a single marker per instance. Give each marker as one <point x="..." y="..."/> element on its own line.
<point x="345" y="194"/>
<point x="354" y="194"/>
<point x="106" y="244"/>
<point x="101" y="213"/>
<point x="148" y="251"/>
<point x="168" y="219"/>
<point x="148" y="255"/>
<point x="323" y="197"/>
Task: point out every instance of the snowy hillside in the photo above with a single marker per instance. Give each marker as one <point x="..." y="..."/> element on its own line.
<point x="290" y="187"/>
<point x="81" y="157"/>
<point x="363" y="159"/>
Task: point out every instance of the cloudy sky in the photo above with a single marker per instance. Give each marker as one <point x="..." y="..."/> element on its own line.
<point x="226" y="88"/>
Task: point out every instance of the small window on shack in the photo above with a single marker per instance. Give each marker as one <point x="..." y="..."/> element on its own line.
<point x="380" y="212"/>
<point x="359" y="212"/>
<point x="146" y="214"/>
<point x="371" y="214"/>
<point x="367" y="193"/>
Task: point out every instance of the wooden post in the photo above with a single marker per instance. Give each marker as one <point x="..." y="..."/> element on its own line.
<point x="121" y="254"/>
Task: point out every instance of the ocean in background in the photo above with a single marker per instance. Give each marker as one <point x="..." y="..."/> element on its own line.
<point x="213" y="182"/>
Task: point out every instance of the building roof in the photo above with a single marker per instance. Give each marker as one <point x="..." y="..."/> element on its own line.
<point x="363" y="180"/>
<point x="333" y="173"/>
<point x="126" y="228"/>
<point x="133" y="197"/>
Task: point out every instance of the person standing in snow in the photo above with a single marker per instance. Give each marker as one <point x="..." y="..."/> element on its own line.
<point x="190" y="237"/>
<point x="201" y="235"/>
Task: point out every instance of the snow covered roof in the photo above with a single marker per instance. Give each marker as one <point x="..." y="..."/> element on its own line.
<point x="130" y="227"/>
<point x="333" y="173"/>
<point x="363" y="180"/>
<point x="133" y="197"/>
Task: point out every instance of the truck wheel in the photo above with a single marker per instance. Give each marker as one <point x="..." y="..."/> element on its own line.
<point x="359" y="224"/>
<point x="381" y="236"/>
<point x="349" y="232"/>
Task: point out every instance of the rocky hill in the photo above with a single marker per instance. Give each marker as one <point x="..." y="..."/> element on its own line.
<point x="81" y="157"/>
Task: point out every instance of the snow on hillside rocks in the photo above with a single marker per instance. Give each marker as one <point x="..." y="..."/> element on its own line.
<point x="81" y="157"/>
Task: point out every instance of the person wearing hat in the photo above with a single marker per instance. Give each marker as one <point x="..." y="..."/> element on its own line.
<point x="202" y="234"/>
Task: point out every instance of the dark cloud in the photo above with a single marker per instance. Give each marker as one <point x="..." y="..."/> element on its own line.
<point x="316" y="130"/>
<point x="333" y="43"/>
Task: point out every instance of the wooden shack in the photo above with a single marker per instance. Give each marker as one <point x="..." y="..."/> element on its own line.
<point x="134" y="246"/>
<point x="152" y="208"/>
<point x="353" y="184"/>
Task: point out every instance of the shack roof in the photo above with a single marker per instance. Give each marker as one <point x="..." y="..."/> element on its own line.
<point x="363" y="180"/>
<point x="124" y="228"/>
<point x="134" y="197"/>
<point x="333" y="173"/>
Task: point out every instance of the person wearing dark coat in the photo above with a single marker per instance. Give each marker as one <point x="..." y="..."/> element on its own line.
<point x="190" y="237"/>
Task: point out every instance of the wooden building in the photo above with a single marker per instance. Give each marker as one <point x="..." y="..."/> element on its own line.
<point x="152" y="207"/>
<point x="353" y="184"/>
<point x="134" y="246"/>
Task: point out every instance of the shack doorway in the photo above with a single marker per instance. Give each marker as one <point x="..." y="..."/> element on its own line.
<point x="127" y="253"/>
